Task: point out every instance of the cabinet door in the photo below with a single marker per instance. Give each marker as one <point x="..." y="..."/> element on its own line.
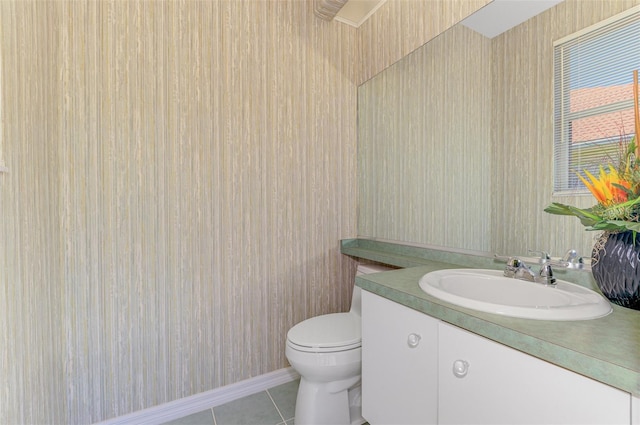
<point x="483" y="382"/>
<point x="399" y="363"/>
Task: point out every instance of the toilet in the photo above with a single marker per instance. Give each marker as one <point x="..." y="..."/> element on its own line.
<point x="326" y="352"/>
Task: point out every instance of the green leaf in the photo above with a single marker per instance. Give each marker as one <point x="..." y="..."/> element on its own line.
<point x="607" y="226"/>
<point x="631" y="147"/>
<point x="560" y="209"/>
<point x="587" y="218"/>
<point x="617" y="226"/>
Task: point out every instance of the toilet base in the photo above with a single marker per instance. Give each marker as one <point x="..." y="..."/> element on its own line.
<point x="355" y="405"/>
<point x="320" y="403"/>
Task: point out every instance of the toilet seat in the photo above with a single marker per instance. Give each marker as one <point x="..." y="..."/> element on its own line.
<point x="326" y="333"/>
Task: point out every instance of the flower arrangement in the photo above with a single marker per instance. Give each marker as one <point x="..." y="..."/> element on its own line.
<point x="616" y="188"/>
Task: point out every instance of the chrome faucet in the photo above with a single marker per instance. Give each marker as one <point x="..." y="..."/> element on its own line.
<point x="517" y="269"/>
<point x="572" y="260"/>
<point x="545" y="275"/>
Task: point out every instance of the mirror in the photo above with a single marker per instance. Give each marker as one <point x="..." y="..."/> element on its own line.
<point x="455" y="141"/>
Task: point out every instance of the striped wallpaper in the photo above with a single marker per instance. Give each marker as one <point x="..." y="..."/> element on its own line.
<point x="424" y="145"/>
<point x="180" y="175"/>
<point x="522" y="132"/>
<point x="456" y="140"/>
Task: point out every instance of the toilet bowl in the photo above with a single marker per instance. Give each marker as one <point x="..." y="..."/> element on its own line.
<point x="326" y="352"/>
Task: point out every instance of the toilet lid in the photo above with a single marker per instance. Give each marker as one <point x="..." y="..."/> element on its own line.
<point x="331" y="332"/>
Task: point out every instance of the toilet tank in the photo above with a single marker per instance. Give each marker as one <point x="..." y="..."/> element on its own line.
<point x="356" y="298"/>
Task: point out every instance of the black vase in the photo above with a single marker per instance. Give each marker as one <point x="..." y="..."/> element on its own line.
<point x="616" y="268"/>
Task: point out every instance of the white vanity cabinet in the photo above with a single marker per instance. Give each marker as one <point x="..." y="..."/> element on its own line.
<point x="484" y="382"/>
<point x="419" y="370"/>
<point x="399" y="363"/>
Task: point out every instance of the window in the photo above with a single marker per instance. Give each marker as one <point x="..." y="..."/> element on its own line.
<point x="593" y="91"/>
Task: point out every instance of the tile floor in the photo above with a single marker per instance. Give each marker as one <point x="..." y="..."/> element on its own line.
<point x="275" y="406"/>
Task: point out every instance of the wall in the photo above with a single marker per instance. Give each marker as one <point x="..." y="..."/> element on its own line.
<point x="424" y="145"/>
<point x="180" y="176"/>
<point x="482" y="184"/>
<point x="522" y="132"/>
<point x="401" y="26"/>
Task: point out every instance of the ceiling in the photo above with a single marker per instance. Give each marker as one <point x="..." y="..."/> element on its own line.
<point x="492" y="20"/>
<point x="355" y="12"/>
<point x="502" y="15"/>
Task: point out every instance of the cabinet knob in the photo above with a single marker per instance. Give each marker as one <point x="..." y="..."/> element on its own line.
<point x="460" y="368"/>
<point x="413" y="340"/>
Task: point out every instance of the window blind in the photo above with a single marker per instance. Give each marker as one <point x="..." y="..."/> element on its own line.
<point x="593" y="97"/>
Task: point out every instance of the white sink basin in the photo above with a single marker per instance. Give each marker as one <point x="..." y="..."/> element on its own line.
<point x="491" y="292"/>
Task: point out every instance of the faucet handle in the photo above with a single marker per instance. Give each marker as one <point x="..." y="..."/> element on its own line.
<point x="572" y="260"/>
<point x="570" y="256"/>
<point x="544" y="256"/>
<point x="514" y="262"/>
<point x="518" y="269"/>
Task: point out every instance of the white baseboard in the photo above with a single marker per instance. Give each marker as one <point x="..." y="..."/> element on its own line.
<point x="206" y="400"/>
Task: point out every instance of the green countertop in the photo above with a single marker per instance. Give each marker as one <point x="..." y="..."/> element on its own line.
<point x="605" y="349"/>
